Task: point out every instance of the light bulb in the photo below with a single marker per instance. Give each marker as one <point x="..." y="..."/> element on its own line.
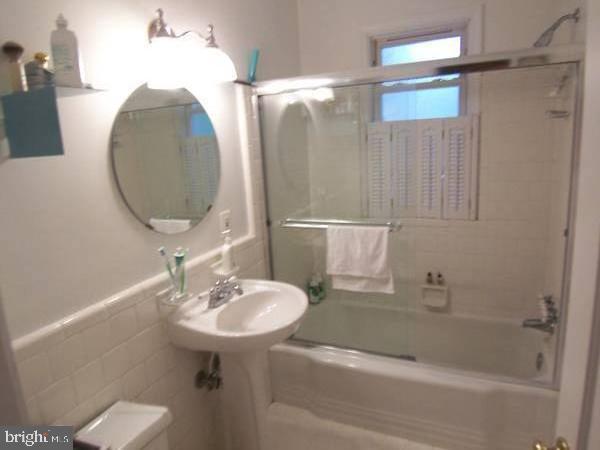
<point x="165" y="64"/>
<point x="214" y="65"/>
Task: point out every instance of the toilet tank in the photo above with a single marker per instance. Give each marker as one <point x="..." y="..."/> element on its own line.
<point x="128" y="426"/>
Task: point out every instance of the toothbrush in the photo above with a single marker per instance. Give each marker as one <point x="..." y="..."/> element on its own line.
<point x="163" y="252"/>
<point x="180" y="269"/>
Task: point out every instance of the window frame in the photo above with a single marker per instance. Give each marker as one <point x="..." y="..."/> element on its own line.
<point x="378" y="43"/>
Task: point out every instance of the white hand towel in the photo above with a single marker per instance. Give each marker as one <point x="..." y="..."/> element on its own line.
<point x="357" y="259"/>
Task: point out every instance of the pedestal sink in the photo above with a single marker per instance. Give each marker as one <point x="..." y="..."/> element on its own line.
<point x="242" y="331"/>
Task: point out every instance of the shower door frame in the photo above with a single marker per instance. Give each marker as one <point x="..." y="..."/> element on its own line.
<point x="520" y="59"/>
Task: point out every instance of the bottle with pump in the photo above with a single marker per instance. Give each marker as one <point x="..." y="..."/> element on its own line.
<point x="226" y="267"/>
<point x="65" y="54"/>
<point x="227" y="264"/>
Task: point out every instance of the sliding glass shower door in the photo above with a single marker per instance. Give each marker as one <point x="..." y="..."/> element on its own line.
<point x="477" y="200"/>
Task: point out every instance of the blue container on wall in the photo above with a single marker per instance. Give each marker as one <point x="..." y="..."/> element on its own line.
<point x="31" y="123"/>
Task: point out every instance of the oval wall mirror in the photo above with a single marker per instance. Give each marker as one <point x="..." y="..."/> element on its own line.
<point x="165" y="158"/>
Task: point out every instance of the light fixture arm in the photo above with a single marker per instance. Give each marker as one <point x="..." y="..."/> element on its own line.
<point x="209" y="38"/>
<point x="159" y="28"/>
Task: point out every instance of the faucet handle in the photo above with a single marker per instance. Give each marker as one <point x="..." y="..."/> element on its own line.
<point x="237" y="289"/>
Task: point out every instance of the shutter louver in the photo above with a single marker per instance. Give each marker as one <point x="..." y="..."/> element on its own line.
<point x="457" y="168"/>
<point x="404" y="168"/>
<point x="430" y="168"/>
<point x="378" y="169"/>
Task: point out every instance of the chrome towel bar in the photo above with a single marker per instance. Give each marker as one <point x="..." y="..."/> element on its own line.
<point x="325" y="223"/>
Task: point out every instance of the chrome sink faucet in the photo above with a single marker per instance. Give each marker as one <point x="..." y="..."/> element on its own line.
<point x="549" y="320"/>
<point x="223" y="291"/>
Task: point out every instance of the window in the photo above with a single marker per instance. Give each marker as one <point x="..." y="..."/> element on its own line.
<point x="421" y="98"/>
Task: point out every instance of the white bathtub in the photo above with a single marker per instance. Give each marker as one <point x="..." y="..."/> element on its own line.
<point x="400" y="398"/>
<point x="500" y="348"/>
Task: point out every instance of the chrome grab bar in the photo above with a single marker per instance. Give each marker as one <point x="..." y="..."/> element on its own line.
<point x="325" y="223"/>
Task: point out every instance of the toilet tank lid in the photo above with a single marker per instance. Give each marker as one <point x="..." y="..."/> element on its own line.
<point x="126" y="426"/>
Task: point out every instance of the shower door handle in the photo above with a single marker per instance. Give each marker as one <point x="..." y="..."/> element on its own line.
<point x="561" y="444"/>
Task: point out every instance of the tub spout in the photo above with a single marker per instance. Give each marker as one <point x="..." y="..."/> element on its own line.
<point x="539" y="324"/>
<point x="549" y="320"/>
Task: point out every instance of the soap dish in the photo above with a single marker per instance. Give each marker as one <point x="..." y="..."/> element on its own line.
<point x="434" y="296"/>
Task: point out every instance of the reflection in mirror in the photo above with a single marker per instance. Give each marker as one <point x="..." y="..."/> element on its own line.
<point x="165" y="158"/>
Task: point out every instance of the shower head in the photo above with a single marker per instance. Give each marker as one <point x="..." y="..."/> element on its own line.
<point x="546" y="37"/>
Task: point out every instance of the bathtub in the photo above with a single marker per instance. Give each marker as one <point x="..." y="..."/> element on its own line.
<point x="400" y="399"/>
<point x="498" y="348"/>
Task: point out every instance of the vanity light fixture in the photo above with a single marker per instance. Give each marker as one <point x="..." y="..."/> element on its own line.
<point x="175" y="60"/>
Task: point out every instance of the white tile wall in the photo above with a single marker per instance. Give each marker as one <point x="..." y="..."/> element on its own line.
<point x="118" y="348"/>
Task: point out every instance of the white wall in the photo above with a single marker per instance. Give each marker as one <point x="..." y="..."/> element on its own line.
<point x="67" y="238"/>
<point x="593" y="388"/>
<point x="334" y="33"/>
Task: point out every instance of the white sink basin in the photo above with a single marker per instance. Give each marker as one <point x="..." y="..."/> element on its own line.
<point x="268" y="312"/>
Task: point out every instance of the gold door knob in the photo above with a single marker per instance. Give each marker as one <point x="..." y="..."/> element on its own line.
<point x="561" y="444"/>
